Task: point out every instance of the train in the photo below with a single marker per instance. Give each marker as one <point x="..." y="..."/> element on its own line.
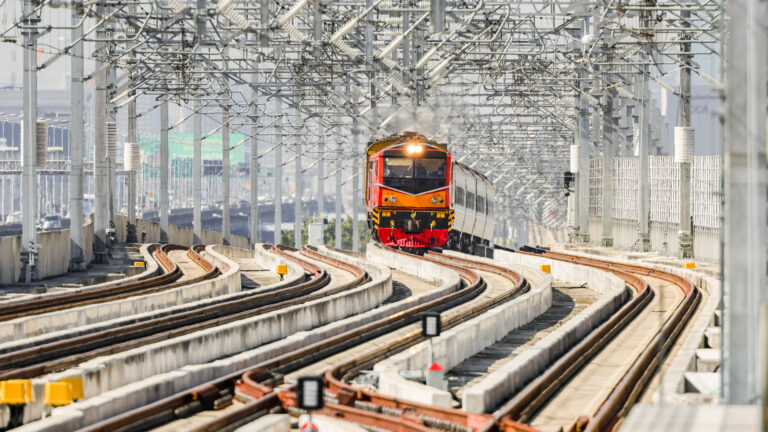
<point x="417" y="197"/>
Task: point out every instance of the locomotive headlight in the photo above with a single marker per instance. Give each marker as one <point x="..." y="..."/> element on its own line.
<point x="415" y="149"/>
<point x="392" y="199"/>
<point x="434" y="200"/>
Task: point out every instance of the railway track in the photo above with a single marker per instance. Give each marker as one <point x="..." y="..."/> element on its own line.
<point x="51" y="357"/>
<point x="258" y="390"/>
<point x="526" y="403"/>
<point x="172" y="277"/>
<point x="257" y="394"/>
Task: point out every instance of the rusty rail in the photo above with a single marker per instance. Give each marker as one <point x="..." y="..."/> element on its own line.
<point x="413" y="417"/>
<point x="46" y="358"/>
<point x="206" y="395"/>
<point x="535" y="394"/>
<point x="116" y="291"/>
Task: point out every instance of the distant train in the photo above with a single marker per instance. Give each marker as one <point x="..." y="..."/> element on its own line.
<point x="417" y="197"/>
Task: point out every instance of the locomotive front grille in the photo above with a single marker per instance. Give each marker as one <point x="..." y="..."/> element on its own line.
<point x="412" y="221"/>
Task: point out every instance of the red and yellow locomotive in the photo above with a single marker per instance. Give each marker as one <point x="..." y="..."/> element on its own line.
<point x="407" y="192"/>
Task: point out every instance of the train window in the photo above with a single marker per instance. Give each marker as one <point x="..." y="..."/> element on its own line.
<point x="429" y="168"/>
<point x="470" y="200"/>
<point x="398" y="167"/>
<point x="480" y="204"/>
<point x="490" y="208"/>
<point x="459" y="199"/>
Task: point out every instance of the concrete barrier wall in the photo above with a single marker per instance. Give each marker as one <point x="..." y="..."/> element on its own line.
<point x="55" y="253"/>
<point x="180" y="235"/>
<point x="211" y="237"/>
<point x="54" y="256"/>
<point x="121" y="227"/>
<point x="10" y="259"/>
<point x="150" y="230"/>
<point x="38" y="329"/>
<point x="142" y="392"/>
<point x="512" y="376"/>
<point x="239" y="241"/>
<point x="150" y="270"/>
<point x="464" y="341"/>
<point x="88" y="240"/>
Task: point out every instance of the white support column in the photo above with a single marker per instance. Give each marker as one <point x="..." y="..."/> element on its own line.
<point x="130" y="206"/>
<point x="278" y="202"/>
<point x="76" y="144"/>
<point x="609" y="146"/>
<point x="254" y="171"/>
<point x="297" y="216"/>
<point x="321" y="179"/>
<point x="745" y="235"/>
<point x="197" y="173"/>
<point x="355" y="186"/>
<point x="29" y="148"/>
<point x="643" y="139"/>
<point x="164" y="172"/>
<point x="338" y="210"/>
<point x="225" y="177"/>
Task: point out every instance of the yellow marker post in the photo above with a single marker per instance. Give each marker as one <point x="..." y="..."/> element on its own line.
<point x="75" y="387"/>
<point x="282" y="270"/>
<point x="545" y="268"/>
<point x="58" y="393"/>
<point x="690" y="265"/>
<point x="15" y="392"/>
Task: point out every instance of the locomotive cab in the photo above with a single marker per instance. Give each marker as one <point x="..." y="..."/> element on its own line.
<point x="408" y="191"/>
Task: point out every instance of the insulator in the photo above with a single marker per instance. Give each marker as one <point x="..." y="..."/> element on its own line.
<point x="624" y="92"/>
<point x="240" y="21"/>
<point x="293" y="11"/>
<point x="293" y="31"/>
<point x="42" y="143"/>
<point x="684" y="144"/>
<point x="111" y="133"/>
<point x="575" y="158"/>
<point x="131" y="156"/>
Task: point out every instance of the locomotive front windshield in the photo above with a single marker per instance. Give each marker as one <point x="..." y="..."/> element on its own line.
<point x="414" y="174"/>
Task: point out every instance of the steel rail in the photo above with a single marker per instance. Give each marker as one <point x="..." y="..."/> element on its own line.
<point x="113" y="291"/>
<point x="206" y="395"/>
<point x="414" y="416"/>
<point x="527" y="402"/>
<point x="36" y="361"/>
<point x="534" y="395"/>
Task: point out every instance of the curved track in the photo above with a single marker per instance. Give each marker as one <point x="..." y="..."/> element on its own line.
<point x="219" y="393"/>
<point x="47" y="358"/>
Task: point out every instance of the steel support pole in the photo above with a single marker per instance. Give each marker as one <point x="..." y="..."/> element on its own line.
<point x="297" y="216"/>
<point x="76" y="144"/>
<point x="278" y="202"/>
<point x="130" y="205"/>
<point x="225" y="220"/>
<point x="582" y="179"/>
<point x="338" y="210"/>
<point x="321" y="180"/>
<point x="254" y="171"/>
<point x="111" y="116"/>
<point x="609" y="149"/>
<point x="746" y="197"/>
<point x="164" y="172"/>
<point x="100" y="175"/>
<point x="197" y="174"/>
<point x="356" y="170"/>
<point x="685" y="239"/>
<point x="643" y="139"/>
<point x="29" y="153"/>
